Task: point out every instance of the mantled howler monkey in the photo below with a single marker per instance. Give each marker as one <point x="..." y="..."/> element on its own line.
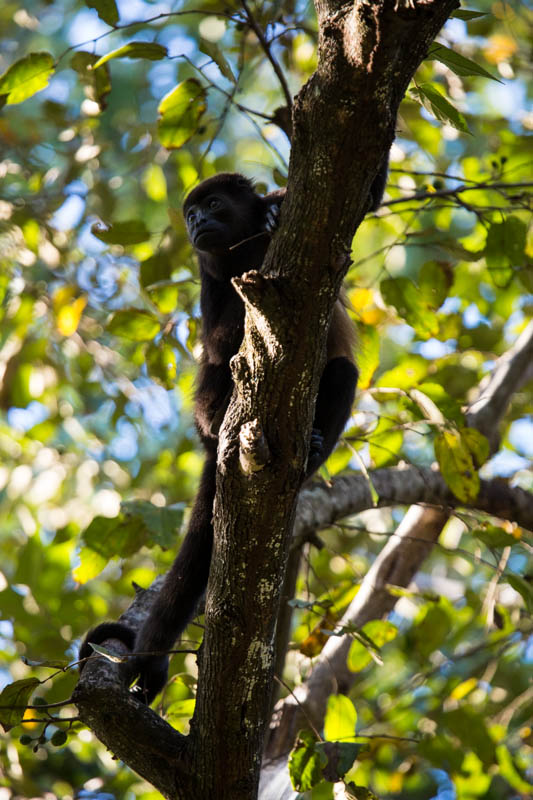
<point x="229" y="225"/>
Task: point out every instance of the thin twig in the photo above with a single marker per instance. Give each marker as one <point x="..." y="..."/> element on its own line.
<point x="268" y="52"/>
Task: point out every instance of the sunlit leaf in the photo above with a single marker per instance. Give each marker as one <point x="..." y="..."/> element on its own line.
<point x="181" y="708"/>
<point x="149" y="50"/>
<point x="25" y="77"/>
<point x="306" y="762"/>
<point x="133" y="324"/>
<point x="165" y="297"/>
<point x="91" y="564"/>
<point x="456" y="62"/>
<point x="407" y="299"/>
<point x="438" y="106"/>
<point x="340" y="720"/>
<point x="411" y="372"/>
<point x="493" y="536"/>
<point x="371" y="638"/>
<point x="478" y="445"/>
<point x="17" y="695"/>
<point x="154" y="183"/>
<point x="368" y="347"/>
<point x="181" y="110"/>
<point x="385" y="443"/>
<point x="510" y="773"/>
<point x="457" y="465"/>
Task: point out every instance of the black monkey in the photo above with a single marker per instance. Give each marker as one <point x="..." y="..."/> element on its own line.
<point x="229" y="225"/>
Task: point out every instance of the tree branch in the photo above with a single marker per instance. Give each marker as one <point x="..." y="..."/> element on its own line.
<point x="401" y="557"/>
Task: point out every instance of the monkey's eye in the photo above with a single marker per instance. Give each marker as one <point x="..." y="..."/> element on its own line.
<point x="213" y="203"/>
<point x="191" y="216"/>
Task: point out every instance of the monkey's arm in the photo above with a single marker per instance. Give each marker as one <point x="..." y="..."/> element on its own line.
<point x="334" y="401"/>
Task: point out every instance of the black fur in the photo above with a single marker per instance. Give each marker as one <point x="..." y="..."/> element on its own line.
<point x="229" y="226"/>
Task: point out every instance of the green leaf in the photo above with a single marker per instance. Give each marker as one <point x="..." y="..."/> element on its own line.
<point x="366" y="647"/>
<point x="471" y="730"/>
<point x="438" y="106"/>
<point x="368" y="347"/>
<point x="431" y="632"/>
<point x="91" y="564"/>
<point x="132" y="231"/>
<point x="457" y="63"/>
<point x="340" y="720"/>
<point x="504" y="249"/>
<point x="411" y="372"/>
<point x="406" y="298"/>
<point x="140" y="326"/>
<point x="306" y="762"/>
<point x="457" y="465"/>
<point x="26" y="77"/>
<point x="59" y="738"/>
<point x="463" y="13"/>
<point x="165" y="297"/>
<point x="477" y="444"/>
<point x="15" y="694"/>
<point x="213" y="51"/>
<point x="119" y="536"/>
<point x="385" y="443"/>
<point x="149" y="50"/>
<point x="340" y="755"/>
<point x="106" y="10"/>
<point x="181" y="110"/>
<point x="524" y="588"/>
<point x="433" y="284"/>
<point x="163" y="522"/>
<point x="155" y="269"/>
<point x="97" y="83"/>
<point x="493" y="536"/>
<point x="510" y="773"/>
<point x="162" y="364"/>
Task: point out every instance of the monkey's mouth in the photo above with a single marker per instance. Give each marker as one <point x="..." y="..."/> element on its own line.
<point x="207" y="237"/>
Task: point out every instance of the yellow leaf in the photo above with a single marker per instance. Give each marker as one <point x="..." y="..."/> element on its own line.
<point x="361" y="298"/>
<point x="500" y="48"/>
<point x="463" y="688"/>
<point x="68" y="316"/>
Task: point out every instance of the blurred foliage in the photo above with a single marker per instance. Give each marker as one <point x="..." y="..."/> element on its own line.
<point x="99" y="304"/>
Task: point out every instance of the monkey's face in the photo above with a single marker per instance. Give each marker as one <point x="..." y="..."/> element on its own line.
<point x="215" y="222"/>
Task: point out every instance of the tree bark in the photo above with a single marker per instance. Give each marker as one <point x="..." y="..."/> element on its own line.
<point x="343" y="125"/>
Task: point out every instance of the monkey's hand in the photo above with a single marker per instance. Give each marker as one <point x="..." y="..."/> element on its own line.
<point x="272" y="218"/>
<point x="152" y="675"/>
<point x="316" y="451"/>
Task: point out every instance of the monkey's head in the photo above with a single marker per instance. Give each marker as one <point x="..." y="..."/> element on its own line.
<point x="222" y="211"/>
